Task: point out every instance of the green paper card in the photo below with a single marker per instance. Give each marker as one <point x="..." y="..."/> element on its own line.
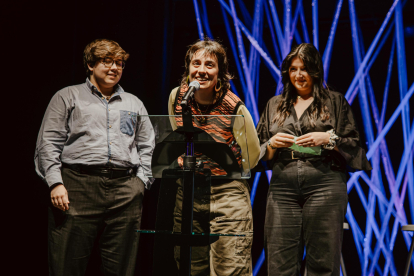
<point x="309" y="150"/>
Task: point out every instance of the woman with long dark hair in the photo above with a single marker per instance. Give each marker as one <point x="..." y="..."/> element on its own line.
<point x="309" y="135"/>
<point x="230" y="210"/>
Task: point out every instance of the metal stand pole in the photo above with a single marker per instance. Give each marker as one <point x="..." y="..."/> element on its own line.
<point x="188" y="194"/>
<point x="343" y="266"/>
<point x="187" y="222"/>
<point x="407" y="266"/>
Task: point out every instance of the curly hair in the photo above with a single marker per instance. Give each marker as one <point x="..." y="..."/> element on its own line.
<point x="101" y="48"/>
<point x="212" y="49"/>
<point x="314" y="66"/>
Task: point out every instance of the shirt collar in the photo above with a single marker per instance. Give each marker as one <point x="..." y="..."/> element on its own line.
<point x="117" y="88"/>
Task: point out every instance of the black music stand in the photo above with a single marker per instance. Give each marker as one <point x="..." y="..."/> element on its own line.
<point x="196" y="184"/>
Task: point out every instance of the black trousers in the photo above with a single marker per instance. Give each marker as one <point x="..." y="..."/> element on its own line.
<point x="306" y="206"/>
<point x="110" y="207"/>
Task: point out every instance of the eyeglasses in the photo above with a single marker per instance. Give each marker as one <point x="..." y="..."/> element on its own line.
<point x="108" y="62"/>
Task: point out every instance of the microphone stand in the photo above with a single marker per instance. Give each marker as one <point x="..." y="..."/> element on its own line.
<point x="188" y="191"/>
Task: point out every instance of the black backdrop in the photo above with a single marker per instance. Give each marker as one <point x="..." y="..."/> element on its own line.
<point x="42" y="44"/>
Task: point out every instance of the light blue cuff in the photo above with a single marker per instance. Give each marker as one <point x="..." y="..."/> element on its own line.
<point x="147" y="180"/>
<point x="53" y="178"/>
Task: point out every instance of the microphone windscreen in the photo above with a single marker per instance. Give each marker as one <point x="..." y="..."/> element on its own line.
<point x="195" y="84"/>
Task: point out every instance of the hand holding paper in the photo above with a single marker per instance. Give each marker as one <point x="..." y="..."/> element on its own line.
<point x="310" y="143"/>
<point x="313" y="139"/>
<point x="282" y="140"/>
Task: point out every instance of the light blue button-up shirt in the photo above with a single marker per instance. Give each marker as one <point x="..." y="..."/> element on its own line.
<point x="81" y="127"/>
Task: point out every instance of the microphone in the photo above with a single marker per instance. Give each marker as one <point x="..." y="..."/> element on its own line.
<point x="192" y="87"/>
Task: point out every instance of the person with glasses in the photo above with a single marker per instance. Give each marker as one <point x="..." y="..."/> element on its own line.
<point x="94" y="155"/>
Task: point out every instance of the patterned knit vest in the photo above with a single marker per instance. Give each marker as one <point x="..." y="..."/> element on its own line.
<point x="219" y="128"/>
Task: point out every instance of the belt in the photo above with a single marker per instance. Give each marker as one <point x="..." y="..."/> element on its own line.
<point x="293" y="155"/>
<point x="109" y="172"/>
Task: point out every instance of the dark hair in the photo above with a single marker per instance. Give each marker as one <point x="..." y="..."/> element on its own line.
<point x="213" y="49"/>
<point x="101" y="48"/>
<point x="314" y="66"/>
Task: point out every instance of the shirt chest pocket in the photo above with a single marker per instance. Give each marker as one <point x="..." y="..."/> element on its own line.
<point x="128" y="121"/>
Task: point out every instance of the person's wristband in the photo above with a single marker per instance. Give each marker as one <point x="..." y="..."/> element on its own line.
<point x="332" y="140"/>
<point x="270" y="145"/>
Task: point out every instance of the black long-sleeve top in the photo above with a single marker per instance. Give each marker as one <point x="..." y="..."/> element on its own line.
<point x="341" y="120"/>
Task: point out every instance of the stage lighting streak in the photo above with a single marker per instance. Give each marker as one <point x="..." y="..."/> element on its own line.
<point x="247" y="90"/>
<point x="245" y="67"/>
<point x="358" y="236"/>
<point x="304" y="27"/>
<point x="371" y="49"/>
<point x="363" y="239"/>
<point x="368" y="67"/>
<point x="369" y="224"/>
<point x="387" y="266"/>
<point x="233" y="88"/>
<point x="390" y="122"/>
<point x="254" y="187"/>
<point x="383" y="147"/>
<point x="371" y="218"/>
<point x="379" y="48"/>
<point x="402" y="80"/>
<point x="254" y="43"/>
<point x="395" y="228"/>
<point x="297" y="37"/>
<point x="363" y="101"/>
<point x="295" y="20"/>
<point x="401" y="204"/>
<point x="272" y="32"/>
<point x="278" y="28"/>
<point x="385" y="130"/>
<point x="234" y="51"/>
<point x="199" y="26"/>
<point x="402" y="68"/>
<point x="258" y="59"/>
<point x="287" y="23"/>
<point x="399" y="208"/>
<point x="353" y="95"/>
<point x="256" y="35"/>
<point x="376" y="175"/>
<point x="205" y="19"/>
<point x="380" y="137"/>
<point x="269" y="175"/>
<point x="355" y="232"/>
<point x="315" y="30"/>
<point x="357" y="61"/>
<point x="361" y="195"/>
<point x="365" y="72"/>
<point x="257" y="80"/>
<point x="261" y="259"/>
<point x="275" y="76"/>
<point x="401" y="171"/>
<point x="387" y="86"/>
<point x="259" y="263"/>
<point x="328" y="48"/>
<point x="274" y="70"/>
<point x="245" y="13"/>
<point x="382" y="197"/>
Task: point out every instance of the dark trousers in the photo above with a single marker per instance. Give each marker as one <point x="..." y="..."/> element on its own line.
<point x="98" y="205"/>
<point x="306" y="206"/>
